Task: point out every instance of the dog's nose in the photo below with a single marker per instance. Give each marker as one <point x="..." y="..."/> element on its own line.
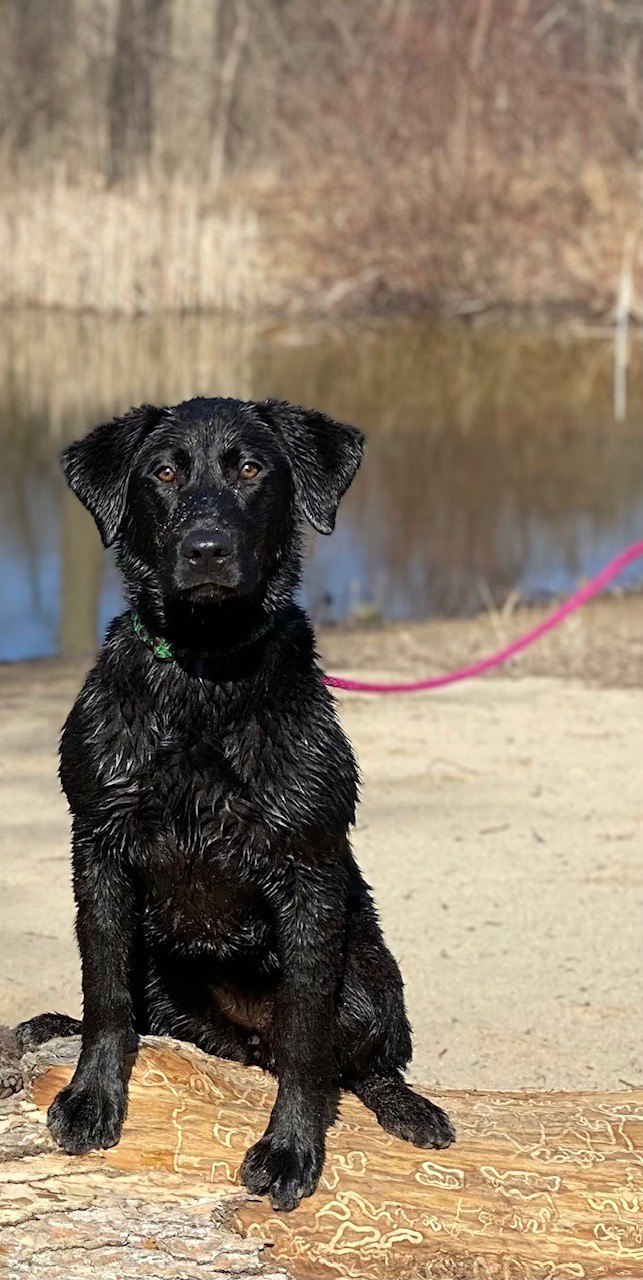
<point x="206" y="546"/>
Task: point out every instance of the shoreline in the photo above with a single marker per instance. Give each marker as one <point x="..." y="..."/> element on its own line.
<point x="555" y="318"/>
<point x="601" y="644"/>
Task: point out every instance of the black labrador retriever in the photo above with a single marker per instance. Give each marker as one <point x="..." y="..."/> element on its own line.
<point x="212" y="790"/>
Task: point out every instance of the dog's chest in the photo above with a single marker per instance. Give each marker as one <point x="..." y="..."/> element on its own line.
<point x="204" y="742"/>
<point x="191" y="906"/>
<point x="202" y="884"/>
<point x="202" y="840"/>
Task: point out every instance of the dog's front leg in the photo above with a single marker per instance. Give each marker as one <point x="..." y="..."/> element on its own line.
<point x="89" y="1112"/>
<point x="287" y="1162"/>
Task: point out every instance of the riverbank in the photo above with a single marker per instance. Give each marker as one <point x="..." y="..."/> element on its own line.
<point x="501" y="829"/>
<point x="601" y="645"/>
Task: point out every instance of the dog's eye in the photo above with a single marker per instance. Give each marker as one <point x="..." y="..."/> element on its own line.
<point x="249" y="470"/>
<point x="166" y="474"/>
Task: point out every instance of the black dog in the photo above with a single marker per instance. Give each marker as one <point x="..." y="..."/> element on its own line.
<point x="212" y="790"/>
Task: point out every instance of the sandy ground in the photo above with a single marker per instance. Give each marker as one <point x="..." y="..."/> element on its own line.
<point x="501" y="828"/>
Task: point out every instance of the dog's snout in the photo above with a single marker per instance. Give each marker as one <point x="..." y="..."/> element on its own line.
<point x="204" y="547"/>
<point x="207" y="559"/>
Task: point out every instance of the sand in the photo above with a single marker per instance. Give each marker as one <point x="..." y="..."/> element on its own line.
<point x="501" y="829"/>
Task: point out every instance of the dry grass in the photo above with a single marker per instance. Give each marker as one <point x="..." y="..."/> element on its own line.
<point x="327" y="244"/>
<point x="140" y="251"/>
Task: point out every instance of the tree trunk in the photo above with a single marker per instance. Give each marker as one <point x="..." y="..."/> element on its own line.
<point x="141" y="32"/>
<point x="542" y="1186"/>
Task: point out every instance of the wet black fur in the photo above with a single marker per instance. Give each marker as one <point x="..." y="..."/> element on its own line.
<point x="217" y="896"/>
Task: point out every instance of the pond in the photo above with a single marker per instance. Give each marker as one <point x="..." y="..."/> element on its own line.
<point x="493" y="463"/>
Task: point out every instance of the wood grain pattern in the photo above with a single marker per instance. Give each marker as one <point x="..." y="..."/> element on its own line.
<point x="540" y="1186"/>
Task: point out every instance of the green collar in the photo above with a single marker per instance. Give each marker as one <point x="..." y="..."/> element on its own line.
<point x="166" y="652"/>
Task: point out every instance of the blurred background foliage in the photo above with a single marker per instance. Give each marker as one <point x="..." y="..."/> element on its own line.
<point x="317" y="155"/>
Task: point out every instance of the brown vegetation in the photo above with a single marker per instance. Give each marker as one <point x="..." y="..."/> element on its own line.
<point x="291" y="155"/>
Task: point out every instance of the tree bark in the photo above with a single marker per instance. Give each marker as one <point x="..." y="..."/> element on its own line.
<point x="540" y="1186"/>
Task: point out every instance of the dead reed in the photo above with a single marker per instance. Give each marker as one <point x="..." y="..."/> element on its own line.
<point x="143" y="250"/>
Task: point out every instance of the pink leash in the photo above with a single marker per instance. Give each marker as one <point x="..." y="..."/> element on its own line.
<point x="592" y="588"/>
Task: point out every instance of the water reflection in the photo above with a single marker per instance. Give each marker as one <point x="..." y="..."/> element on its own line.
<point x="492" y="464"/>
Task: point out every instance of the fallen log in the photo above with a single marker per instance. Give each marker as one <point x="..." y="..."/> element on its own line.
<point x="540" y="1186"/>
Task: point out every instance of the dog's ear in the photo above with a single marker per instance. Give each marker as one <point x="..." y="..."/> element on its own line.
<point x="323" y="455"/>
<point x="97" y="468"/>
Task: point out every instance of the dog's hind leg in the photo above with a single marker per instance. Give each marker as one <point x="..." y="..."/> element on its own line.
<point x="402" y="1112"/>
<point x="46" y="1026"/>
<point x="215" y="1036"/>
<point x="16" y="1041"/>
<point x="373" y="1037"/>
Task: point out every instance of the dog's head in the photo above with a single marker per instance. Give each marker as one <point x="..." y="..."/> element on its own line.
<point x="202" y="498"/>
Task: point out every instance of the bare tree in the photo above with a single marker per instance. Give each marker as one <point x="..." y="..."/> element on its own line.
<point x="141" y="36"/>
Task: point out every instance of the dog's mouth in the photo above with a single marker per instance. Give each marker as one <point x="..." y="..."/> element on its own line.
<point x="234" y="576"/>
<point x="210" y="590"/>
<point x="219" y="589"/>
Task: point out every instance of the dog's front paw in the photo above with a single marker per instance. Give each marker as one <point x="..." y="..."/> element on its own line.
<point x="86" y="1117"/>
<point x="284" y="1170"/>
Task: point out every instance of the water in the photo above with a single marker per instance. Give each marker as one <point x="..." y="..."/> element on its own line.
<point x="493" y="464"/>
